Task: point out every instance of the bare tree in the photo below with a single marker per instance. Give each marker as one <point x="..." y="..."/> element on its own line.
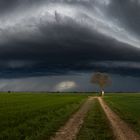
<point x="102" y="80"/>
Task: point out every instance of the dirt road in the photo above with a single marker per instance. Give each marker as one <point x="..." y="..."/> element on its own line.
<point x="72" y="127"/>
<point x="121" y="129"/>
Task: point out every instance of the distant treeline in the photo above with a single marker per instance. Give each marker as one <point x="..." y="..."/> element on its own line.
<point x="54" y="92"/>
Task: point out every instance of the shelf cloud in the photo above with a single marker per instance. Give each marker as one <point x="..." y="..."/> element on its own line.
<point x="64" y="37"/>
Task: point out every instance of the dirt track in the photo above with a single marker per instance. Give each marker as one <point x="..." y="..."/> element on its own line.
<point x="71" y="128"/>
<point x="121" y="129"/>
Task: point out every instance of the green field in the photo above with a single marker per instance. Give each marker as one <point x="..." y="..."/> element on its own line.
<point x="127" y="106"/>
<point x="39" y="116"/>
<point x="35" y="116"/>
<point x="96" y="125"/>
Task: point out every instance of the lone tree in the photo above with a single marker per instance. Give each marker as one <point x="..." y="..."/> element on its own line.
<point x="102" y="80"/>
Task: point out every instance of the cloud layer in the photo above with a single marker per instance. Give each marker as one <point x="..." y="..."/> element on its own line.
<point x="49" y="37"/>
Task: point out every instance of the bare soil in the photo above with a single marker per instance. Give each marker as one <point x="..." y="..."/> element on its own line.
<point x="121" y="130"/>
<point x="70" y="130"/>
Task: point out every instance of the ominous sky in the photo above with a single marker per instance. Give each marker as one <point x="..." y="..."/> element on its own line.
<point x="56" y="45"/>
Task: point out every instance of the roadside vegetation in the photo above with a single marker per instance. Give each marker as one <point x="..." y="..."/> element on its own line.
<point x="96" y="125"/>
<point x="127" y="106"/>
<point x="35" y="116"/>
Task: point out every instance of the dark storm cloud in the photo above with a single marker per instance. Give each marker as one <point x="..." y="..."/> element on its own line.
<point x="67" y="36"/>
<point x="8" y="6"/>
<point x="127" y="12"/>
<point x="69" y="54"/>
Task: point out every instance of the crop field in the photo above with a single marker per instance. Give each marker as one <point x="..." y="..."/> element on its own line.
<point x="127" y="106"/>
<point x="35" y="116"/>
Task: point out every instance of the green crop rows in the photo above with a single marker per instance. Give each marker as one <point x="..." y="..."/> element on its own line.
<point x="34" y="116"/>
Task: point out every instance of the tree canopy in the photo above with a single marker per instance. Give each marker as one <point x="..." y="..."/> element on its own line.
<point x="101" y="79"/>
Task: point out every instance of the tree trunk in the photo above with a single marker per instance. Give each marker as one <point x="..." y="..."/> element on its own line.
<point x="102" y="92"/>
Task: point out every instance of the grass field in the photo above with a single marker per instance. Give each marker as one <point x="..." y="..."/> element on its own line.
<point x="127" y="106"/>
<point x="96" y="126"/>
<point x="35" y="116"/>
<point x="38" y="116"/>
